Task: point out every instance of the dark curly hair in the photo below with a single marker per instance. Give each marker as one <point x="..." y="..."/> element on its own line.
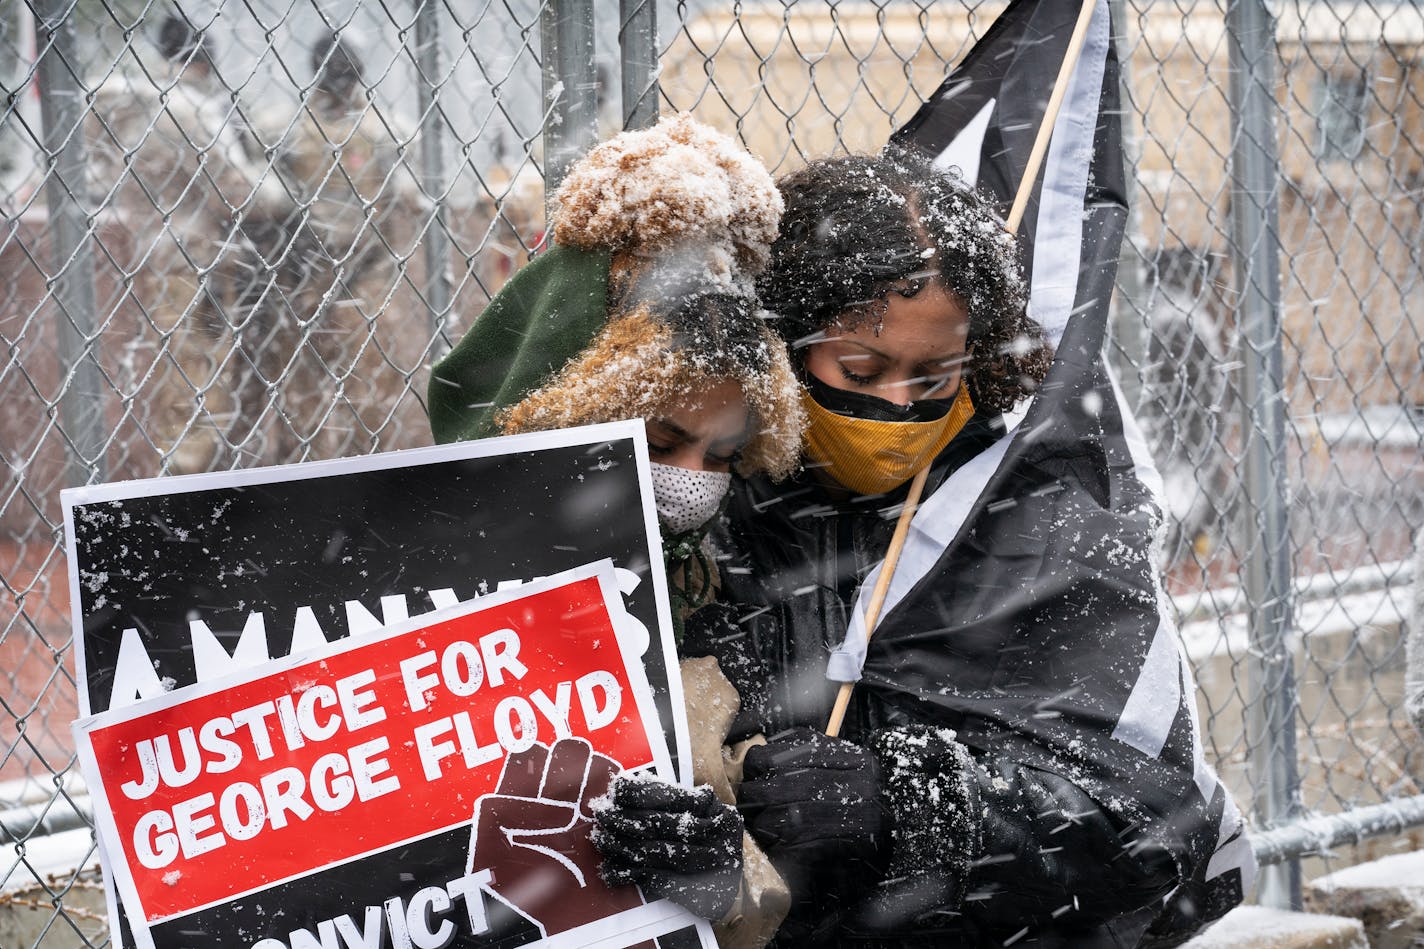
<point x="857" y="224"/>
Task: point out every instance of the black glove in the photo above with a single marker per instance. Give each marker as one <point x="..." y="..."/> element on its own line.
<point x="714" y="631"/>
<point x="677" y="844"/>
<point x="807" y="792"/>
<point x="813" y="803"/>
<point x="984" y="847"/>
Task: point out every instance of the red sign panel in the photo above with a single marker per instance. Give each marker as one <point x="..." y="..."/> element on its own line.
<point x="359" y="748"/>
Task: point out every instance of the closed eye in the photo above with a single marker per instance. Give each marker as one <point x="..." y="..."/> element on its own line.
<point x="857" y="377"/>
<point x="863" y="360"/>
<point x="661" y="441"/>
<point x="938" y="374"/>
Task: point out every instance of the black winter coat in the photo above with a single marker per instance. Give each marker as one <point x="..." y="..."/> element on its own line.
<point x="1020" y="855"/>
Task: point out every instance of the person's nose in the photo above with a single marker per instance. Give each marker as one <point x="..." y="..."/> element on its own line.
<point x="899" y="392"/>
<point x="691" y="456"/>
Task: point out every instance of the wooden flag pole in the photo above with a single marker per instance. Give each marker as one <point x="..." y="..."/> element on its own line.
<point x="1016" y="213"/>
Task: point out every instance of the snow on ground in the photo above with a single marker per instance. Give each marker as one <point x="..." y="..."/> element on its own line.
<point x="1398" y="871"/>
<point x="1259" y="927"/>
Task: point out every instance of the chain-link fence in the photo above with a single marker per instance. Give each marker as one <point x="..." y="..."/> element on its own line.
<point x="238" y="233"/>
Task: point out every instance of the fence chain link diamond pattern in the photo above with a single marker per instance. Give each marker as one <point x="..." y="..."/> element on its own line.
<point x="238" y="234"/>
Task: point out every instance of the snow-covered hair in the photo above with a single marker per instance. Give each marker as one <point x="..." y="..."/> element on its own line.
<point x="855" y="225"/>
<point x="678" y="193"/>
<point x="650" y="359"/>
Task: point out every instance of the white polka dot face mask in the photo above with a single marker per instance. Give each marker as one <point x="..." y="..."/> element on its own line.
<point x="688" y="499"/>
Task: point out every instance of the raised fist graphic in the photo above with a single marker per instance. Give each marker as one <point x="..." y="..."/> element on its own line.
<point x="532" y="835"/>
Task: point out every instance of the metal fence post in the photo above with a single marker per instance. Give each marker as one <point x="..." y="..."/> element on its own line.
<point x="62" y="109"/>
<point x="1256" y="248"/>
<point x="432" y="168"/>
<point x="638" y="46"/>
<point x="570" y="85"/>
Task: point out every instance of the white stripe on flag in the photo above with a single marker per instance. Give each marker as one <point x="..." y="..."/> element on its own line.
<point x="1058" y="234"/>
<point x="1237" y="854"/>
<point x="1147" y="716"/>
<point x="1202" y="773"/>
<point x="968" y="146"/>
<point x="1137" y="446"/>
<point x="1232" y="854"/>
<point x="1156" y="697"/>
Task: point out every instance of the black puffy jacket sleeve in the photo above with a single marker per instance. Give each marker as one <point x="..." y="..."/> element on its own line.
<point x="989" y="851"/>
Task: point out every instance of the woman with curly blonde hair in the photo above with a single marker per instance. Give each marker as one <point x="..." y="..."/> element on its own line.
<point x="644" y="307"/>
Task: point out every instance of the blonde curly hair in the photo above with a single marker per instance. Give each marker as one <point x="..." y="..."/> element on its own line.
<point x="689" y="218"/>
<point x="643" y="363"/>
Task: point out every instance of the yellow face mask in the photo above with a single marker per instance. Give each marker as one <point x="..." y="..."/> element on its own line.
<point x="872" y="457"/>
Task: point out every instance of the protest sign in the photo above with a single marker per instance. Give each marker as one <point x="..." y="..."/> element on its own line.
<point x="503" y="718"/>
<point x="184" y="581"/>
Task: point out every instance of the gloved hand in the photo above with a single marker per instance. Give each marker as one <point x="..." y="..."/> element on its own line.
<point x="813" y="801"/>
<point x="713" y="631"/>
<point x="677" y="844"/>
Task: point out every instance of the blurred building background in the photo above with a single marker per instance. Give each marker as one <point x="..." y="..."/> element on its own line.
<point x="238" y="234"/>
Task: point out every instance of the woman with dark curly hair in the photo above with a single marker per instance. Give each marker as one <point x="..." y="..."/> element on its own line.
<point x="862" y="235"/>
<point x="902" y="296"/>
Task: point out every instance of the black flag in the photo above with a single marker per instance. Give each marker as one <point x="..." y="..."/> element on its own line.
<point x="1027" y="605"/>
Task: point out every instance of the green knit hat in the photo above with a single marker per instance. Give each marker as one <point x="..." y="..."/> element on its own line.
<point x="544" y="315"/>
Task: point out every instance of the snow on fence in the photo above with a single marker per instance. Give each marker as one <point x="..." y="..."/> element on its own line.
<point x="238" y="233"/>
